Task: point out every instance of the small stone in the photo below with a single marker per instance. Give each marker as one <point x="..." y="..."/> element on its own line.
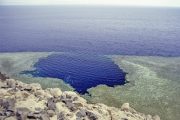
<point x="55" y="92"/>
<point x="27" y="88"/>
<point x="9" y="113"/>
<point x="2" y="117"/>
<point x="9" y="103"/>
<point x="39" y="92"/>
<point x="35" y="87"/>
<point x="11" y="83"/>
<point x="81" y="113"/>
<point x="124" y="119"/>
<point x="61" y="116"/>
<point x="31" y="115"/>
<point x="125" y="107"/>
<point x="1" y="102"/>
<point x="75" y="98"/>
<point x="21" y="113"/>
<point x="51" y="113"/>
<point x="156" y="117"/>
<point x="78" y="104"/>
<point x="2" y="113"/>
<point x="9" y="118"/>
<point x="91" y="115"/>
<point x="5" y="86"/>
<point x="51" y="104"/>
<point x="67" y="101"/>
<point x="68" y="96"/>
<point x="148" y="117"/>
<point x="71" y="106"/>
<point x="3" y="77"/>
<point x="44" y="117"/>
<point x="37" y="110"/>
<point x="77" y="118"/>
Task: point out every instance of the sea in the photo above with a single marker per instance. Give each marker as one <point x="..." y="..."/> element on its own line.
<point x="85" y="35"/>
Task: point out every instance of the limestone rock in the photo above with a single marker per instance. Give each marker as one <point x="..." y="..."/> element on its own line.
<point x="125" y="107"/>
<point x="56" y="92"/>
<point x="156" y="117"/>
<point x="11" y="83"/>
<point x="20" y="101"/>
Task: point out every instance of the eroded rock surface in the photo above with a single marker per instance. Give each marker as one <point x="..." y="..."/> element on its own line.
<point x="20" y="101"/>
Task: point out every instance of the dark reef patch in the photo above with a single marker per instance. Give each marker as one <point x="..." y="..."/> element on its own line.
<point x="81" y="71"/>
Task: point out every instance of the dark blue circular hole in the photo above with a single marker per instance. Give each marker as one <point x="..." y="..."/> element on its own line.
<point x="81" y="71"/>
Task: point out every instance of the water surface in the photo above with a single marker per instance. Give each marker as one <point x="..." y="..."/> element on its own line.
<point x="102" y="30"/>
<point x="80" y="71"/>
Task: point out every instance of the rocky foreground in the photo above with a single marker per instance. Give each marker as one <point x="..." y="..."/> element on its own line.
<point x="20" y="101"/>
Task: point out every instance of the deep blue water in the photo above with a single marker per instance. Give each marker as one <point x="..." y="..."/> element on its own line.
<point x="102" y="30"/>
<point x="92" y="32"/>
<point x="79" y="70"/>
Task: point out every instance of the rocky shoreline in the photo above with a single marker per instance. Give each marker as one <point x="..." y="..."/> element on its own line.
<point x="21" y="101"/>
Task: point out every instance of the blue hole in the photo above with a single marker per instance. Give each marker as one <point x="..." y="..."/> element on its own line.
<point x="81" y="71"/>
